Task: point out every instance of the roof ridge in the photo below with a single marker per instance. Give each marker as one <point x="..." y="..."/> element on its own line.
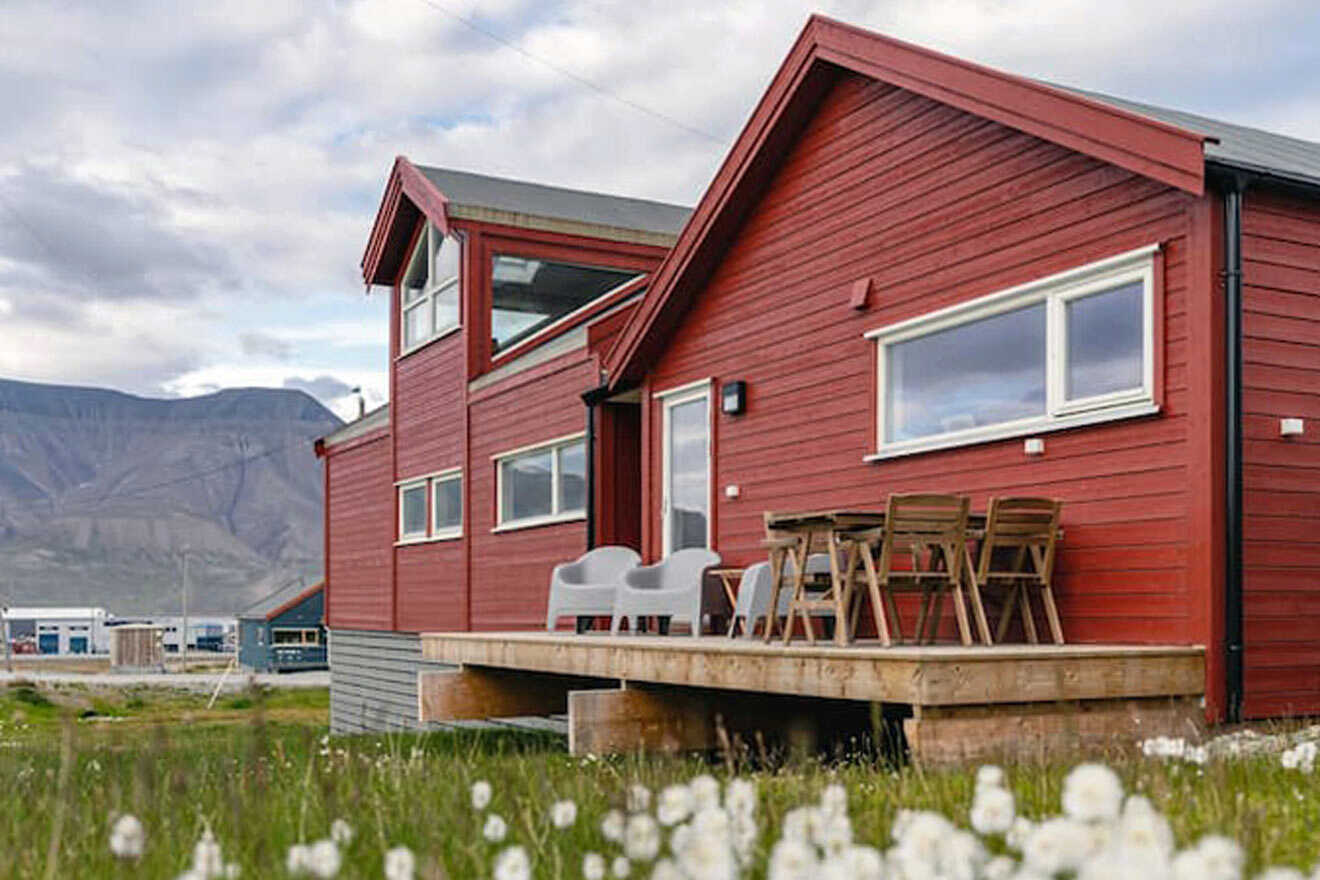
<point x="559" y="187"/>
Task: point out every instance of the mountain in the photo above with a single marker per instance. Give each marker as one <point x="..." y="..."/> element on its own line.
<point x="101" y="492"/>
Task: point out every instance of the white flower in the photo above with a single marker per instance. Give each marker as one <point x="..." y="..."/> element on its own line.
<point x="740" y="797"/>
<point x="1092" y="792"/>
<point x="1054" y="846"/>
<point x="834" y="799"/>
<point x="400" y="864"/>
<point x="641" y="838"/>
<point x="674" y="804"/>
<point x="989" y="776"/>
<point x="207" y="860"/>
<point x="127" y="837"/>
<point x="1223" y="858"/>
<point x="799" y="824"/>
<point x="298" y="859"/>
<point x="999" y="868"/>
<point x="639" y="798"/>
<point x="862" y="863"/>
<point x="792" y="860"/>
<point x="1017" y="835"/>
<point x="563" y="814"/>
<point x="611" y="827"/>
<point x="743" y="833"/>
<point x="481" y="792"/>
<point x="1300" y="757"/>
<point x="323" y="859"/>
<point x="513" y="864"/>
<point x="494" y="829"/>
<point x="341" y="832"/>
<point x="834" y="834"/>
<point x="620" y="867"/>
<point x="992" y="810"/>
<point x="232" y="871"/>
<point x="1280" y="874"/>
<point x="667" y="870"/>
<point x="705" y="792"/>
<point x="593" y="866"/>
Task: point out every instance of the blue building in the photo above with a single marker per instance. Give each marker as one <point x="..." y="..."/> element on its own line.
<point x="285" y="630"/>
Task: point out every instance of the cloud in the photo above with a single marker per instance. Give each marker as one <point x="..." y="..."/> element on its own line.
<point x="322" y="387"/>
<point x="255" y="342"/>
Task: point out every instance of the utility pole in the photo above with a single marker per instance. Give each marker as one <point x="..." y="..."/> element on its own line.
<point x="183" y="630"/>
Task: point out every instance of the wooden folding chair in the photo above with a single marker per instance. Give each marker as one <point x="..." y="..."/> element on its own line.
<point x="930" y="533"/>
<point x="781" y="546"/>
<point x="1017" y="553"/>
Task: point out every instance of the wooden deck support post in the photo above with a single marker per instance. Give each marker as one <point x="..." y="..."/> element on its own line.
<point x="474" y="693"/>
<point x="959" y="734"/>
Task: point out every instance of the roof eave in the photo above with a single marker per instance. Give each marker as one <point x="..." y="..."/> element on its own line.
<point x="405" y="180"/>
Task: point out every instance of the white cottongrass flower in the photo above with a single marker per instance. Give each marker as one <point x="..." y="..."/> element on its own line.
<point x="127" y="837"/>
<point x="611" y="827"/>
<point x="297" y="861"/>
<point x="792" y="860"/>
<point x="207" y="859"/>
<point x="999" y="868"/>
<point x="563" y="814"/>
<point x="495" y="828"/>
<point x="1174" y="748"/>
<point x="1300" y="757"/>
<point x="481" y="794"/>
<point x="989" y="776"/>
<point x="641" y="838"/>
<point x="834" y="799"/>
<point x="1054" y="846"/>
<point x="1281" y="874"/>
<point x="593" y="866"/>
<point x="341" y="832"/>
<point x="1222" y="858"/>
<point x="513" y="864"/>
<point x="674" y="804"/>
<point x="639" y="798"/>
<point x="1017" y="835"/>
<point x="1141" y="829"/>
<point x="707" y="857"/>
<point x="400" y="864"/>
<point x="323" y="859"/>
<point x="740" y="797"/>
<point x="1092" y="793"/>
<point x="667" y="870"/>
<point x="993" y="810"/>
<point x="620" y="867"/>
<point x="705" y="791"/>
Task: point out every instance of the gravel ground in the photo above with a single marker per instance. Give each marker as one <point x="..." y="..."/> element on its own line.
<point x="200" y="681"/>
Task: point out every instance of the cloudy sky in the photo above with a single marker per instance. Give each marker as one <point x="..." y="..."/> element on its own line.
<point x="185" y="188"/>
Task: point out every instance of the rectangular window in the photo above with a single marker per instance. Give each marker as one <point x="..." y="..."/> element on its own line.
<point x="528" y="294"/>
<point x="542" y="484"/>
<point x="431" y="507"/>
<point x="295" y="637"/>
<point x="1072" y="349"/>
<point x="429" y="292"/>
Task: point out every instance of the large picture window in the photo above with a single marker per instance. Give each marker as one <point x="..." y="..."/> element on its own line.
<point x="542" y="484"/>
<point x="528" y="294"/>
<point x="1072" y="349"/>
<point x="431" y="507"/>
<point x="429" y="293"/>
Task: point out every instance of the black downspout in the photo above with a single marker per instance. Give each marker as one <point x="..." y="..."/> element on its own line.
<point x="591" y="473"/>
<point x="1233" y="647"/>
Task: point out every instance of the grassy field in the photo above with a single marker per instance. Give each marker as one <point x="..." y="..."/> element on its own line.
<point x="259" y="771"/>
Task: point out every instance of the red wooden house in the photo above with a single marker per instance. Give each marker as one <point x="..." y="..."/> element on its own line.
<point x="910" y="273"/>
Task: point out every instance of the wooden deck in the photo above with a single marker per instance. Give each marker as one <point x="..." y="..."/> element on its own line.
<point x="664" y="691"/>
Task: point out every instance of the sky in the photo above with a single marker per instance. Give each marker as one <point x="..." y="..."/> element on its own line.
<point x="186" y="188"/>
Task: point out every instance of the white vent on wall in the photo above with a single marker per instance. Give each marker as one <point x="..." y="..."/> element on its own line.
<point x="1291" y="427"/>
<point x="1034" y="446"/>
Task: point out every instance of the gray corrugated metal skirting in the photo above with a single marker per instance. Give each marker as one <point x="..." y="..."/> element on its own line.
<point x="373" y="686"/>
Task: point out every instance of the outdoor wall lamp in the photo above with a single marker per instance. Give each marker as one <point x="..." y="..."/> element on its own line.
<point x="733" y="397"/>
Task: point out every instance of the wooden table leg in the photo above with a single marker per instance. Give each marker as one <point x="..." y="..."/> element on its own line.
<point x="776" y="578"/>
<point x="799" y="581"/>
<point x="839" y="586"/>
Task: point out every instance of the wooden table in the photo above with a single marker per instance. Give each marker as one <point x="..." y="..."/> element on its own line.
<point x="729" y="579"/>
<point x="800" y="532"/>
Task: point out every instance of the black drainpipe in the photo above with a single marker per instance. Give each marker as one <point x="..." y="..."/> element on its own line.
<point x="1233" y="648"/>
<point x="591" y="399"/>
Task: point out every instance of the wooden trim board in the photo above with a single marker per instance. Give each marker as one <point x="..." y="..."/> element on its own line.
<point x="918" y="676"/>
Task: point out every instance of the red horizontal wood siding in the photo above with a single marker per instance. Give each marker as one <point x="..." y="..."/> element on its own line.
<point x="511" y="570"/>
<point x="1281" y="476"/>
<point x="936" y="207"/>
<point x="360" y="533"/>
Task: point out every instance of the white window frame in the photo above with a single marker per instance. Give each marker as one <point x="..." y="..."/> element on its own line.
<point x="431" y="239"/>
<point x="556" y="515"/>
<point x="1056" y="291"/>
<point x="427" y="483"/>
<point x="439" y="532"/>
<point x="669" y="398"/>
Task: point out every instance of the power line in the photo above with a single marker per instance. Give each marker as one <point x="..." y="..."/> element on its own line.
<point x="581" y="80"/>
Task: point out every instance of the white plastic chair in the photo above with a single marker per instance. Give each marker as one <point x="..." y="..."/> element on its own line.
<point x="755" y="589"/>
<point x="672" y="587"/>
<point x="587" y="586"/>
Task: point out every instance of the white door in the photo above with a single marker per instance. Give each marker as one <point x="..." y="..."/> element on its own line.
<point x="685" y="507"/>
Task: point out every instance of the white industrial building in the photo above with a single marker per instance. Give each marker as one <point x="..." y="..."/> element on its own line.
<point x="60" y="630"/>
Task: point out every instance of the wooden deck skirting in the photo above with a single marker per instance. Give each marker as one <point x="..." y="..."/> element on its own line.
<point x="967" y="702"/>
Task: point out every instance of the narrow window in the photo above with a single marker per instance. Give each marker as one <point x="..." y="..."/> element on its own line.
<point x="528" y="295"/>
<point x="447" y="506"/>
<point x="412" y="511"/>
<point x="429" y="292"/>
<point x="544" y="484"/>
<point x="1076" y="348"/>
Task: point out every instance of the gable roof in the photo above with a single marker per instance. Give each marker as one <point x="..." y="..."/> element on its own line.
<point x="288" y="596"/>
<point x="1141" y="143"/>
<point x="1236" y="146"/>
<point x="445" y="194"/>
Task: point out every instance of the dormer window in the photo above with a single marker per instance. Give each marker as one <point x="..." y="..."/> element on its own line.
<point x="428" y="295"/>
<point x="528" y="294"/>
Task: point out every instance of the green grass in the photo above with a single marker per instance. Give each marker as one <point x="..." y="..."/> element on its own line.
<point x="262" y="777"/>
